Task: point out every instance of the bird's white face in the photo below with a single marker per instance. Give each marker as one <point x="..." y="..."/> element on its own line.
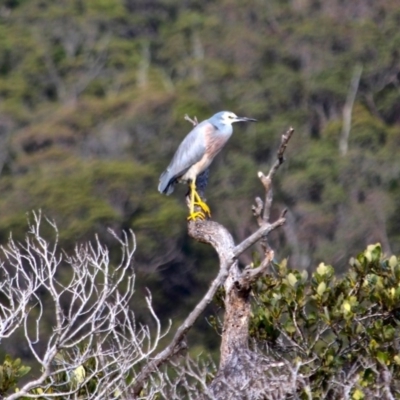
<point x="229" y="117"/>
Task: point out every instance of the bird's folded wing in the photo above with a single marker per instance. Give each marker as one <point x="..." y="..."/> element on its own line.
<point x="190" y="151"/>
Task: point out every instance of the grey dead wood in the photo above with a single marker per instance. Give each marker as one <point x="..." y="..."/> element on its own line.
<point x="243" y="373"/>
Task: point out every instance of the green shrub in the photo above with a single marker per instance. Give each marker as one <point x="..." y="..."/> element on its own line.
<point x="335" y="328"/>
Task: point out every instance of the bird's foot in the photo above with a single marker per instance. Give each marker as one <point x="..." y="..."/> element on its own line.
<point x="196" y="215"/>
<point x="204" y="207"/>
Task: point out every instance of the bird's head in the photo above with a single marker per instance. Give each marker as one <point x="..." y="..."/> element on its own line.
<point x="228" y="118"/>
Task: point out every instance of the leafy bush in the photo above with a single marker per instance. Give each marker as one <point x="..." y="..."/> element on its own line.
<point x="341" y="331"/>
<point x="10" y="372"/>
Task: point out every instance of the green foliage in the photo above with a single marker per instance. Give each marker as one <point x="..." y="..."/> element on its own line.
<point x="92" y="99"/>
<point x="331" y="323"/>
<point x="10" y="373"/>
<point x="100" y="193"/>
<point x="112" y="79"/>
<point x="84" y="377"/>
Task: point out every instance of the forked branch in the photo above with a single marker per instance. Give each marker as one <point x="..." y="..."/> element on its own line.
<point x="220" y="239"/>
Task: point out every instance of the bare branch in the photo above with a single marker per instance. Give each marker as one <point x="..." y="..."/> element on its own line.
<point x="193" y="121"/>
<point x="267" y="180"/>
<point x="95" y="337"/>
<point x="216" y="235"/>
<point x="256" y="236"/>
<point x="250" y="275"/>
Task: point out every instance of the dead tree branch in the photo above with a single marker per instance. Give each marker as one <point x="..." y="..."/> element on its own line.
<point x="91" y="313"/>
<point x="217" y="236"/>
<point x="234" y="346"/>
<point x="193" y="121"/>
<point x="241" y="369"/>
<point x="262" y="210"/>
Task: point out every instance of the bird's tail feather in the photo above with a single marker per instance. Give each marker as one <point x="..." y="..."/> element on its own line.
<point x="165" y="185"/>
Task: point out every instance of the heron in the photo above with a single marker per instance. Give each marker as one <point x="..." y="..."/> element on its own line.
<point x="195" y="154"/>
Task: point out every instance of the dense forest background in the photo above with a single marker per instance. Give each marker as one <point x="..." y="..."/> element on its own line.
<point x="92" y="99"/>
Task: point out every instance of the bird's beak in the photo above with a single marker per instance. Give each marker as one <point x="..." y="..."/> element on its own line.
<point x="245" y="119"/>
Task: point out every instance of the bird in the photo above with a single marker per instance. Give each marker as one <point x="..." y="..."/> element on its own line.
<point x="195" y="154"/>
<point x="202" y="182"/>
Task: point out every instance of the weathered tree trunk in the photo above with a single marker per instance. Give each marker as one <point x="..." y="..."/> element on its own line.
<point x="242" y="373"/>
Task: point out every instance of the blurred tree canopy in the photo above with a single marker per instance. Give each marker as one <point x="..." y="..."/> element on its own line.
<point x="92" y="99"/>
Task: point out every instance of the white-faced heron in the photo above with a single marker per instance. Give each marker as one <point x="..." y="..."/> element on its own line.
<point x="195" y="154"/>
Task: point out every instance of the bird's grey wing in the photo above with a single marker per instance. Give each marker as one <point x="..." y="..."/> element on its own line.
<point x="189" y="152"/>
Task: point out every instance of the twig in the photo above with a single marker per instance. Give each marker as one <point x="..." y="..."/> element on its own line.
<point x="192" y="121"/>
<point x="256" y="236"/>
<point x="267" y="180"/>
<point x="250" y="275"/>
<point x="95" y="324"/>
<point x="262" y="210"/>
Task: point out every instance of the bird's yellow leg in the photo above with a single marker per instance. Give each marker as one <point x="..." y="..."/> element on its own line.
<point x="198" y="214"/>
<point x="199" y="202"/>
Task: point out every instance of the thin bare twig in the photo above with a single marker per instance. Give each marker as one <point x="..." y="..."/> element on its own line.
<point x="92" y="319"/>
<point x="267" y="180"/>
<point x="250" y="275"/>
<point x="193" y="121"/>
<point x="256" y="236"/>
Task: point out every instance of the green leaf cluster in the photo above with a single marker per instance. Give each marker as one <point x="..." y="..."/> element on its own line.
<point x="329" y="323"/>
<point x="84" y="377"/>
<point x="10" y="373"/>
